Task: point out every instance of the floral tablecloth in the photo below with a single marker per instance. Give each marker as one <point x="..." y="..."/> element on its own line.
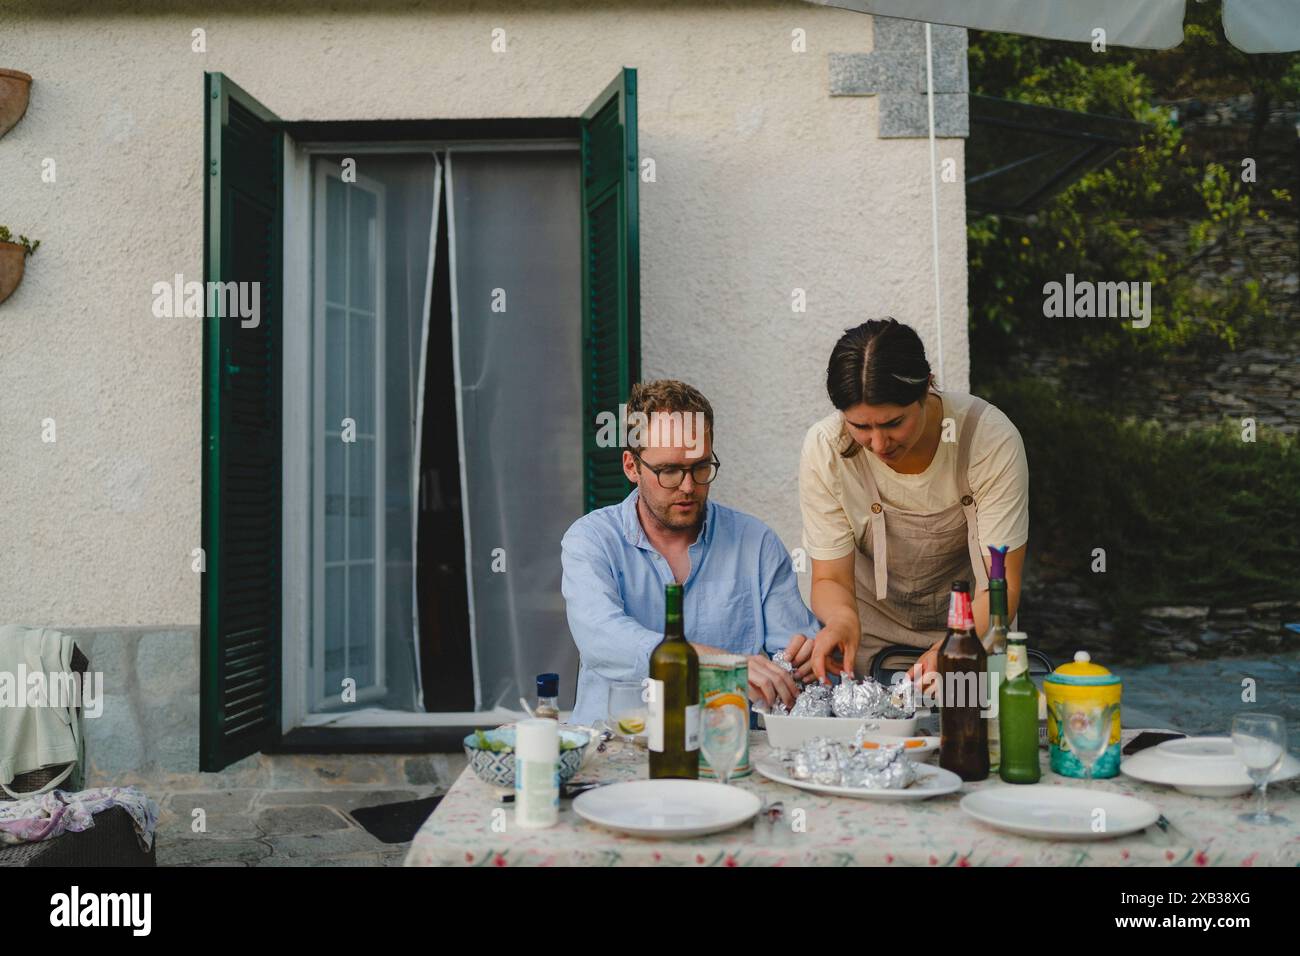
<point x="471" y="827"/>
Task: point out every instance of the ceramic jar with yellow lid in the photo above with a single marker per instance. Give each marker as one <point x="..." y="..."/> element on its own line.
<point x="1089" y="695"/>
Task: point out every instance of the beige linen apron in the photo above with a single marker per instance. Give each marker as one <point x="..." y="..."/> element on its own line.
<point x="907" y="561"/>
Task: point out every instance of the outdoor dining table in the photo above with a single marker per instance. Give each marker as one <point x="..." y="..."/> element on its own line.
<point x="472" y="827"/>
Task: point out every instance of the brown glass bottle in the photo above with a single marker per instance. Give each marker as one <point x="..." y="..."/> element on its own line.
<point x="964" y="742"/>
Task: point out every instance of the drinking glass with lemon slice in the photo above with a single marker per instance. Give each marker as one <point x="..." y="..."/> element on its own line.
<point x="627" y="709"/>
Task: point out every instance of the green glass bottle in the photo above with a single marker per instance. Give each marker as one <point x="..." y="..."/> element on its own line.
<point x="673" y="696"/>
<point x="1018" y="716"/>
<point x="995" y="645"/>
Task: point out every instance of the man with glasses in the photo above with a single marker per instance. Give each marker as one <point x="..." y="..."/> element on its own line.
<point x="739" y="590"/>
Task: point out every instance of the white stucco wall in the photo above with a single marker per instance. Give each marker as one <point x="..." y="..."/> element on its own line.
<point x="765" y="184"/>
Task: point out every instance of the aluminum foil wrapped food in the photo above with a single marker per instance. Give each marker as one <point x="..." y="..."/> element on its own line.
<point x="854" y="699"/>
<point x="867" y="698"/>
<point x="778" y="706"/>
<point x="902" y="700"/>
<point x="813" y="701"/>
<point x="863" y="699"/>
<point x="843" y="763"/>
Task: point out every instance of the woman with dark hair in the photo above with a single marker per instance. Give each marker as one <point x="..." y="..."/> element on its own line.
<point x="903" y="488"/>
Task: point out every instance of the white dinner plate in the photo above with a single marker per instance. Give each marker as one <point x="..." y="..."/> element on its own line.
<point x="1060" y="813"/>
<point x="667" y="808"/>
<point x="930" y="782"/>
<point x="1201" y="766"/>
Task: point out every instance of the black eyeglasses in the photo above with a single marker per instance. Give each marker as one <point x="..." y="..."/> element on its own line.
<point x="670" y="476"/>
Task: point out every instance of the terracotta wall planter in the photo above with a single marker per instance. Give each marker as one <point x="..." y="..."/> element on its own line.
<point x="12" y="259"/>
<point x="15" y="88"/>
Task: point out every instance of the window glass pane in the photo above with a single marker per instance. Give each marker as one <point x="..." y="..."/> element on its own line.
<point x="335" y="498"/>
<point x="361" y="498"/>
<point x="335" y="629"/>
<point x="361" y="249"/>
<point x="361" y="623"/>
<point x="361" y="372"/>
<point x="336" y="236"/>
<point x="336" y="344"/>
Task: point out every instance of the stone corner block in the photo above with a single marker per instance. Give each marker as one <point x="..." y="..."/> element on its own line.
<point x="905" y="116"/>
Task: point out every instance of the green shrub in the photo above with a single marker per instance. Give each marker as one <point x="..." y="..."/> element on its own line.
<point x="1200" y="517"/>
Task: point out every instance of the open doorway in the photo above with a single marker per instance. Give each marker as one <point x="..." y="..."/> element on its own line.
<point x="446" y="357"/>
<point x="446" y="661"/>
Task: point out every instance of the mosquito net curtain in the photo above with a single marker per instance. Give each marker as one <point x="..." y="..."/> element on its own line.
<point x="517" y="307"/>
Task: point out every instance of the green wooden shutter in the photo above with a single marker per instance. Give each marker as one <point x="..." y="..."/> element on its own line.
<point x="240" y="686"/>
<point x="611" y="279"/>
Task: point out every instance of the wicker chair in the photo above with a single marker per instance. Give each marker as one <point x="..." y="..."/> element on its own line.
<point x="110" y="842"/>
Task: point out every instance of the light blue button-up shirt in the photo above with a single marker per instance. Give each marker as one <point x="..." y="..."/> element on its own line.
<point x="741" y="594"/>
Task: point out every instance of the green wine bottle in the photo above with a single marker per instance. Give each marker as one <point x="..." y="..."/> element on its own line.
<point x="995" y="645"/>
<point x="673" y="696"/>
<point x="1018" y="716"/>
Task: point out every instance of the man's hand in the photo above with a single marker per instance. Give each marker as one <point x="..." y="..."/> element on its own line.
<point x="799" y="653"/>
<point x="768" y="681"/>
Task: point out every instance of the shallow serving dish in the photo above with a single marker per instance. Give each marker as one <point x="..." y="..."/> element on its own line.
<point x="789" y="732"/>
<point x="917" y="749"/>
<point x="1200" y="766"/>
<point x="931" y="781"/>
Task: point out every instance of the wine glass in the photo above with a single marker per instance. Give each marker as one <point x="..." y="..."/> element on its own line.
<point x="627" y="709"/>
<point x="1086" y="728"/>
<point x="723" y="737"/>
<point x="1259" y="741"/>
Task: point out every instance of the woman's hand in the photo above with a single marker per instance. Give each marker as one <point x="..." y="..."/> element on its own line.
<point x="819" y="656"/>
<point x="926" y="669"/>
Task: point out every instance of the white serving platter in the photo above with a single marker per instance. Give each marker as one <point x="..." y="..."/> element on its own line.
<point x="931" y="782"/>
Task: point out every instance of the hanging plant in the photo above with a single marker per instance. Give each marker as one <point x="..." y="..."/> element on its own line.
<point x="13" y="257"/>
<point x="15" y="88"/>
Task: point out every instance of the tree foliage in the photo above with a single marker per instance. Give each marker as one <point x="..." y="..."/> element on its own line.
<point x="1099" y="227"/>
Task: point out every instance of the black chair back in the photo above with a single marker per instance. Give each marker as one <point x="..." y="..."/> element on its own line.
<point x="897" y="658"/>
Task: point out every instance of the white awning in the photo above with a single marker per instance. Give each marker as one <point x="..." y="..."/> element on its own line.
<point x="1262" y="26"/>
<point x="1254" y="26"/>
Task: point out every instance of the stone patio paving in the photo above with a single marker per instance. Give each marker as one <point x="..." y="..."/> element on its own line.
<point x="294" y="811"/>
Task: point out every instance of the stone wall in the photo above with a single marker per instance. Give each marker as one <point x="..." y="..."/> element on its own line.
<point x="148" y="732"/>
<point x="150" y="719"/>
<point x="1259" y="379"/>
<point x="1060" y="620"/>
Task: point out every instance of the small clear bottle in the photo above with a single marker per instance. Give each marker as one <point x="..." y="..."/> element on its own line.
<point x="537" y="773"/>
<point x="548" y="697"/>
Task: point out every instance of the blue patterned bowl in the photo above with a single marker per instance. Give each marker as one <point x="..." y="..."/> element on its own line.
<point x="496" y="768"/>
